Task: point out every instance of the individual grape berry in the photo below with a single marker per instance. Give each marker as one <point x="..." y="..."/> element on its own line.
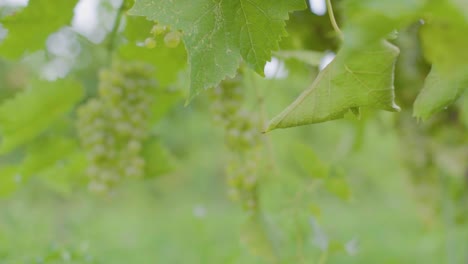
<point x="172" y="39"/>
<point x="158" y="29"/>
<point x="150" y="43"/>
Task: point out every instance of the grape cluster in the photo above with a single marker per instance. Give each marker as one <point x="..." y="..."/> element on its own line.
<point x="243" y="140"/>
<point x="171" y="37"/>
<point x="113" y="126"/>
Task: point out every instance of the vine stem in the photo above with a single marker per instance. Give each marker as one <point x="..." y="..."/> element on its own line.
<point x="333" y="20"/>
<point x="115" y="29"/>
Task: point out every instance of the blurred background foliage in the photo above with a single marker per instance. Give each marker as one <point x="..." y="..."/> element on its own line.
<point x="382" y="188"/>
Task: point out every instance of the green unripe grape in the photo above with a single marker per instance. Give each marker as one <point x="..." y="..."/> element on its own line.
<point x="150" y="43"/>
<point x="113" y="126"/>
<point x="172" y="39"/>
<point x="158" y="29"/>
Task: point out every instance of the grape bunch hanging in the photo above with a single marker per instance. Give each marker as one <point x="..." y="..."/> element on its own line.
<point x="171" y="37"/>
<point x="243" y="140"/>
<point x="113" y="126"/>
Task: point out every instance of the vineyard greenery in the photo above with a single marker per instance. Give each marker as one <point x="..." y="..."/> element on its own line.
<point x="234" y="131"/>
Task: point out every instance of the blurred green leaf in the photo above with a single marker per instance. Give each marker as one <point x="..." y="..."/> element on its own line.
<point x="438" y="93"/>
<point x="370" y="20"/>
<point x="337" y="185"/>
<point x="158" y="160"/>
<point x="164" y="100"/>
<point x="361" y="78"/>
<point x="45" y="152"/>
<point x="218" y="34"/>
<point x="310" y="162"/>
<point x="65" y="173"/>
<point x="29" y="28"/>
<point x="443" y="36"/>
<point x="31" y="112"/>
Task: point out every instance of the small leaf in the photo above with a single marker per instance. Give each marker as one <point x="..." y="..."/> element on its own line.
<point x="337" y="185"/>
<point x="340" y="188"/>
<point x="29" y="29"/>
<point x="158" y="159"/>
<point x="361" y="78"/>
<point x="438" y="93"/>
<point x="310" y="162"/>
<point x="31" y="112"/>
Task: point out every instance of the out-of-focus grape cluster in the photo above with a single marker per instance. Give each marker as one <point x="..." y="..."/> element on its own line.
<point x="171" y="37"/>
<point x="113" y="126"/>
<point x="243" y="139"/>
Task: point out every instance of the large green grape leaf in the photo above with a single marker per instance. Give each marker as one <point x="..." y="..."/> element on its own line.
<point x="217" y="34"/>
<point x="29" y="29"/>
<point x="168" y="62"/>
<point x="30" y="112"/>
<point x="438" y="93"/>
<point x="362" y="78"/>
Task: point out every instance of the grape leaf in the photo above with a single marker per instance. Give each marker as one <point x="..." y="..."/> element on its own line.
<point x="168" y="62"/>
<point x="443" y="36"/>
<point x="217" y="34"/>
<point x="362" y="78"/>
<point x="32" y="111"/>
<point x="370" y="20"/>
<point x="29" y="29"/>
<point x="438" y="93"/>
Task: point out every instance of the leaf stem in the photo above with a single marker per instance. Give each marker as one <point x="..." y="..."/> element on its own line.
<point x="333" y="20"/>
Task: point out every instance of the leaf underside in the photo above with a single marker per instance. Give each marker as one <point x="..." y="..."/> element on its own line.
<point x="357" y="78"/>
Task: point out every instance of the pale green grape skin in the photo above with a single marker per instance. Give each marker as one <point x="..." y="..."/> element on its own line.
<point x="150" y="43"/>
<point x="172" y="39"/>
<point x="158" y="29"/>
